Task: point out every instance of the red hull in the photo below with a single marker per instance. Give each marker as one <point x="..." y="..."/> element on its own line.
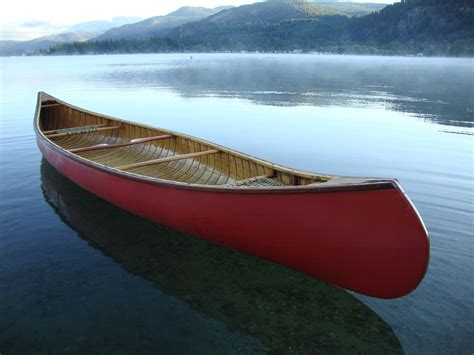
<point x="371" y="241"/>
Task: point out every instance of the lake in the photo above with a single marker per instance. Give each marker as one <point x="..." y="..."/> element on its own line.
<point x="79" y="275"/>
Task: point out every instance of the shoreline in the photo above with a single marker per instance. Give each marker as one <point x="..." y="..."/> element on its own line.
<point x="313" y="53"/>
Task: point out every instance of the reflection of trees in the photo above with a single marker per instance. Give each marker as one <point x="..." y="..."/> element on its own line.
<point x="437" y="91"/>
<point x="281" y="307"/>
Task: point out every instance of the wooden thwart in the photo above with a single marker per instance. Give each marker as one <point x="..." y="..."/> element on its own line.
<point x="117" y="145"/>
<point x="85" y="130"/>
<point x="167" y="159"/>
<point x="65" y="130"/>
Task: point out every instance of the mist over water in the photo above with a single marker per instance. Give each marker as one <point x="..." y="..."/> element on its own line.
<point x="407" y="118"/>
<point x="433" y="88"/>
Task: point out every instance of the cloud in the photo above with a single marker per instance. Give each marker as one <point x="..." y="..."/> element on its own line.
<point x="24" y="31"/>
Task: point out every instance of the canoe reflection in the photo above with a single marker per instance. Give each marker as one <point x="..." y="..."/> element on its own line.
<point x="287" y="311"/>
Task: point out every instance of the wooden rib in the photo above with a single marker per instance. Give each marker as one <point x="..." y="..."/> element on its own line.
<point x="74" y="133"/>
<point x="116" y="145"/>
<point x="176" y="171"/>
<point x="215" y="171"/>
<point x="239" y="170"/>
<point x="225" y="168"/>
<point x="59" y="129"/>
<point x="54" y="120"/>
<point x="213" y="161"/>
<point x="207" y="171"/>
<point x="202" y="169"/>
<point x="193" y="178"/>
<point x="169" y="170"/>
<point x="185" y="171"/>
<point x="168" y="159"/>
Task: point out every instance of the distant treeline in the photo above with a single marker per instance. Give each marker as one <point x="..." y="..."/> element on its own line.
<point x="151" y="45"/>
<point x="169" y="45"/>
<point x="428" y="27"/>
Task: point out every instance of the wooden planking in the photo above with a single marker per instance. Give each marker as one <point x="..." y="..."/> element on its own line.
<point x="253" y="168"/>
<point x="225" y="168"/>
<point x="261" y="170"/>
<point x="168" y="159"/>
<point x="240" y="174"/>
<point x="232" y="167"/>
<point x="53" y="117"/>
<point x="217" y="170"/>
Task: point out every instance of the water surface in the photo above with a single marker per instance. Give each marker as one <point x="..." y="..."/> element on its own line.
<point x="78" y="274"/>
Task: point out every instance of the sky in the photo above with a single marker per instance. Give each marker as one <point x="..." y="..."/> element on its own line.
<point x="63" y="12"/>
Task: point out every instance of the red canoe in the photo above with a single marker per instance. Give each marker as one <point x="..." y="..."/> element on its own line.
<point x="361" y="234"/>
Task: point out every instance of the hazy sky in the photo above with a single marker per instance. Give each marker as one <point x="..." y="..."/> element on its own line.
<point x="72" y="11"/>
<point x="22" y="19"/>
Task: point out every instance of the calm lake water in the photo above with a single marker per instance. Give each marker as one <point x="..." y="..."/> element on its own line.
<point x="79" y="275"/>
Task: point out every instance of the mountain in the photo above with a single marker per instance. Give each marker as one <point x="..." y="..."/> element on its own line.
<point x="252" y="19"/>
<point x="430" y="27"/>
<point x="14" y="48"/>
<point x="263" y="26"/>
<point x="418" y="23"/>
<point x="103" y="25"/>
<point x="29" y="30"/>
<point x="267" y="12"/>
<point x="76" y="33"/>
<point x="160" y="25"/>
<point x="25" y="31"/>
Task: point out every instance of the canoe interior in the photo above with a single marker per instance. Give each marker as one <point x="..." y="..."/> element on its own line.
<point x="157" y="153"/>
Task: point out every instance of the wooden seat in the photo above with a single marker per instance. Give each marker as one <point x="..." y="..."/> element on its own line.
<point x="259" y="181"/>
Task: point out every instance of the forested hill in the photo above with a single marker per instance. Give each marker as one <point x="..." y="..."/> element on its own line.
<point x="443" y="24"/>
<point x="159" y="26"/>
<point x="267" y="26"/>
<point x="431" y="27"/>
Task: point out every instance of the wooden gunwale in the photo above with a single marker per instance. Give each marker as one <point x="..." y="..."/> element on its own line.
<point x="368" y="184"/>
<point x="50" y="105"/>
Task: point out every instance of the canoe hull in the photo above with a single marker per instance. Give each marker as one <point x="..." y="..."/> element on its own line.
<point x="371" y="241"/>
